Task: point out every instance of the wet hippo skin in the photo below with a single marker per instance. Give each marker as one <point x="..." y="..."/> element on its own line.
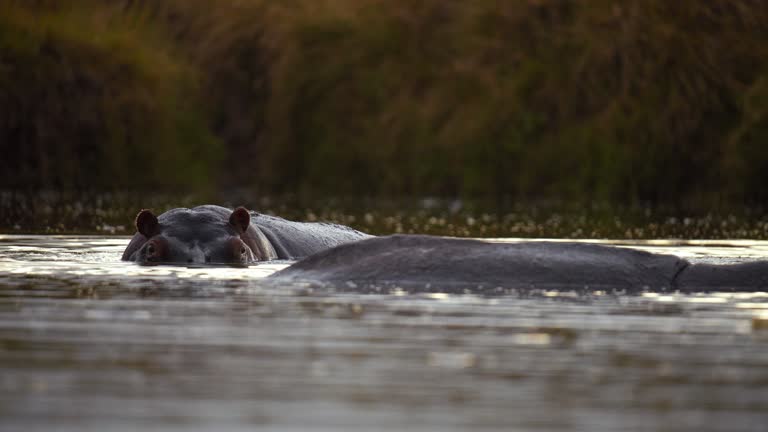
<point x="426" y="263"/>
<point x="211" y="234"/>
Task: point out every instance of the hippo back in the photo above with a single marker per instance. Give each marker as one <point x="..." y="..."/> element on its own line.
<point x="295" y="240"/>
<point x="419" y="263"/>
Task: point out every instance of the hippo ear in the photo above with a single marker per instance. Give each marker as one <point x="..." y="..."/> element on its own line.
<point x="146" y="224"/>
<point x="240" y="219"/>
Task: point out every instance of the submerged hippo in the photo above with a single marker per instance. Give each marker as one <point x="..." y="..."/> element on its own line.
<point x="213" y="234"/>
<point x="342" y="257"/>
<point x="426" y="263"/>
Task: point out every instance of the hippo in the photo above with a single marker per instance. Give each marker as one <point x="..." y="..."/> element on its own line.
<point x="339" y="256"/>
<point x="211" y="234"/>
<point x="425" y="263"/>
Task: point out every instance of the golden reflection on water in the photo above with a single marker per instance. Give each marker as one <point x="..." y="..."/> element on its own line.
<point x="531" y="339"/>
<point x="760" y="321"/>
<point x="752" y="305"/>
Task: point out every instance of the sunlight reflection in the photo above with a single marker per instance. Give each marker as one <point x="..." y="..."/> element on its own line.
<point x="83" y="329"/>
<point x="532" y="339"/>
<point x="437" y="296"/>
<point x="743" y="295"/>
<point x="452" y="360"/>
<point x="752" y="305"/>
<point x="705" y="299"/>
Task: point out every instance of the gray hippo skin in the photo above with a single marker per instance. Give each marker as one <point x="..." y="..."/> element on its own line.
<point x="425" y="263"/>
<point x="211" y="234"/>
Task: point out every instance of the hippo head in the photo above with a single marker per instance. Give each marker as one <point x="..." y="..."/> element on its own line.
<point x="196" y="236"/>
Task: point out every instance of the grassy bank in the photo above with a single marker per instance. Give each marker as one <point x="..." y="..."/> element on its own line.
<point x="625" y="102"/>
<point x="55" y="212"/>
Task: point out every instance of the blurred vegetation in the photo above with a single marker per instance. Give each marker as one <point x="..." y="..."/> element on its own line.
<point x="633" y="102"/>
<point x="62" y="212"/>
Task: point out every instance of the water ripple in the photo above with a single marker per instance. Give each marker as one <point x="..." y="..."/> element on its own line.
<point x="91" y="343"/>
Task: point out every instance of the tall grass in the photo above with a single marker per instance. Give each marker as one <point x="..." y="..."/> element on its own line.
<point x="92" y="100"/>
<point x="631" y="101"/>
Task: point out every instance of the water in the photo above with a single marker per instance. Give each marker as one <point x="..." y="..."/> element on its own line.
<point x="89" y="343"/>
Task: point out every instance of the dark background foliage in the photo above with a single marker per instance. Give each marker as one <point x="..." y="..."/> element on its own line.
<point x="632" y="101"/>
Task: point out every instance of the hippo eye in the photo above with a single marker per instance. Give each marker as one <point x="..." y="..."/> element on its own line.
<point x="240" y="251"/>
<point x="154" y="250"/>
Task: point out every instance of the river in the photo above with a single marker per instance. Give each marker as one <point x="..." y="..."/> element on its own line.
<point x="90" y="343"/>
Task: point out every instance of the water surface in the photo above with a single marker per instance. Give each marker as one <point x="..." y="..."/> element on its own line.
<point x="91" y="343"/>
